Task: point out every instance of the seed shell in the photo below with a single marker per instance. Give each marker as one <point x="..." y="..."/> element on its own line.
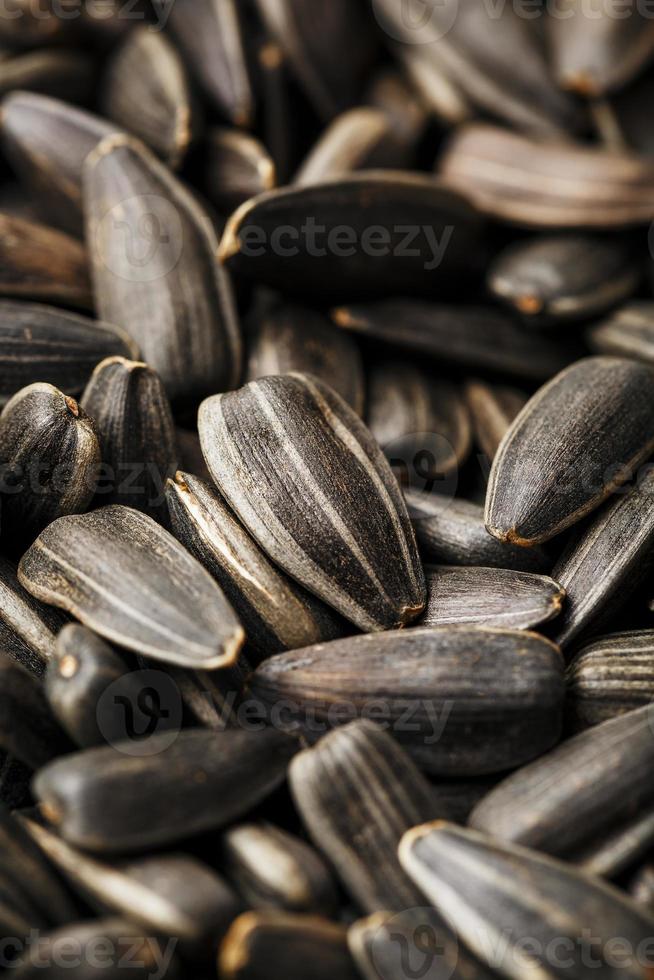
<point x="64" y="74"/>
<point x="609" y="677"/>
<point x="492" y="410"/>
<point x="28" y="629"/>
<point x="237" y="167"/>
<point x="121" y="574"/>
<point x="570" y="447"/>
<point x="629" y="332"/>
<point x="391" y="91"/>
<point x="344" y="532"/>
<point x="28" y="729"/>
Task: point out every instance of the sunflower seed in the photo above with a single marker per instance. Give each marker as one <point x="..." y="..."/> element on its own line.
<point x="28" y="629"/>
<point x="556" y="279"/>
<point x="391" y="92"/>
<point x="492" y="410"/>
<point x="211" y="698"/>
<point x="176" y="303"/>
<point x="201" y="781"/>
<point x="370" y="258"/>
<point x="300" y="946"/>
<point x="572" y="445"/>
<point x="618" y="849"/>
<point x="146" y="92"/>
<point x="452" y="532"/>
<point x="410" y="413"/>
<point x="435" y="87"/>
<point x="40" y="263"/>
<point x="629" y="332"/>
<point x="63" y="74"/>
<point x="480" y="700"/>
<point x="50" y="453"/>
<point x="349" y="541"/>
<point x="121" y="574"/>
<point x="28" y="730"/>
<point x="275" y="612"/>
<point x="47" y="142"/>
<point x="272" y="869"/>
<point x="490" y="597"/>
<point x="609" y="677"/>
<point x="357" y="793"/>
<point x="485" y="889"/>
<point x="295" y="338"/>
<point x="137" y="434"/>
<point x="483" y="339"/>
<point x="237" y="168"/>
<point x="277" y="108"/>
<point x="548" y="185"/>
<point x="641" y="886"/>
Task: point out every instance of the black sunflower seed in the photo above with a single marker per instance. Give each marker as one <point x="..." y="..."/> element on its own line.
<point x="64" y="74"/>
<point x="629" y="332"/>
<point x="492" y="410"/>
<point x="28" y="629"/>
<point x="28" y="729"/>
<point x="237" y="167"/>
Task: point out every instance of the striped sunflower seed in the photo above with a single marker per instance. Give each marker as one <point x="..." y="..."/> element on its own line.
<point x="464" y="701"/>
<point x="609" y="677"/>
<point x="492" y="410"/>
<point x="629" y="332"/>
<point x="571" y="446"/>
<point x="121" y="574"/>
<point x="176" y="302"/>
<point x="28" y="629"/>
<point x="343" y="533"/>
<point x="200" y="782"/>
<point x="237" y="167"/>
<point x="28" y="729"/>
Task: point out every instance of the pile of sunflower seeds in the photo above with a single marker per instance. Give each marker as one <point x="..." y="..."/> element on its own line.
<point x="326" y="496"/>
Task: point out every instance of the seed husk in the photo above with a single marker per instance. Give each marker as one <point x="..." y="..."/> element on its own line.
<point x="344" y="533"/>
<point x="237" y="167"/>
<point x="103" y="800"/>
<point x="121" y="574"/>
<point x="273" y="869"/>
<point x="609" y="677"/>
<point x="617" y="850"/>
<point x="329" y="49"/>
<point x="295" y="338"/>
<point x="392" y="92"/>
<point x="435" y="87"/>
<point x="555" y="279"/>
<point x="474" y="337"/>
<point x="41" y="263"/>
<point x="490" y="597"/>
<point x="357" y="793"/>
<point x="539" y="184"/>
<point x="567" y="802"/>
<point x="28" y="629"/>
<point x="299" y="946"/>
<point x="604" y="564"/>
<point x="136" y="431"/>
<point x="275" y="612"/>
<point x="51" y="454"/>
<point x="571" y="446"/>
<point x="629" y="332"/>
<point x="495" y="696"/>
<point x="146" y="92"/>
<point x="277" y="107"/>
<point x="28" y="729"/>
<point x="452" y="532"/>
<point x="492" y="410"/>
<point x="411" y="413"/>
<point x="60" y="73"/>
<point x="210" y="39"/>
<point x="42" y="341"/>
<point x="47" y="141"/>
<point x="177" y="303"/>
<point x="389" y="199"/>
<point x="486" y="889"/>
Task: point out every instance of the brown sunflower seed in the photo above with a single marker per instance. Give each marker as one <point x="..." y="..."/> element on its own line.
<point x="548" y="185"/>
<point x="410" y="413"/>
<point x="299" y="946"/>
<point x="28" y="629"/>
<point x="479" y="700"/>
<point x="329" y="49"/>
<point x="357" y="793"/>
<point x="629" y="332"/>
<point x="63" y="74"/>
<point x="42" y="341"/>
<point x="571" y="446"/>
<point x="41" y="263"/>
<point x="295" y="338"/>
<point x="47" y="142"/>
<point x="209" y="36"/>
<point x="485" y="889"/>
<point x="452" y="532"/>
<point x="490" y="597"/>
<point x="609" y="677"/>
<point x="604" y="564"/>
<point x="176" y="302"/>
<point x="348" y="237"/>
<point x="275" y="612"/>
<point x="492" y="410"/>
<point x="474" y="337"/>
<point x="28" y="729"/>
<point x="50" y="453"/>
<point x="343" y="533"/>
<point x="569" y="801"/>
<point x="146" y="92"/>
<point x="237" y="167"/>
<point x="272" y="869"/>
<point x="107" y="801"/>
<point x="136" y="431"/>
<point x="121" y="574"/>
<point x="554" y="279"/>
